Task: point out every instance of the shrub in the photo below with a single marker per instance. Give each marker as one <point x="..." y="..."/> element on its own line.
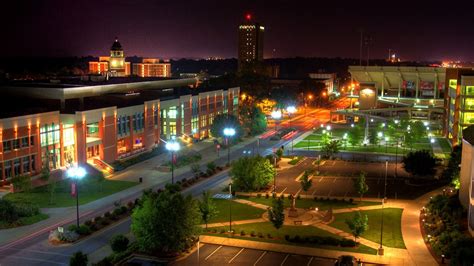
<point x="351" y="200"/>
<point x="88" y="222"/>
<point x="72" y="228"/>
<point x="269" y="235"/>
<point x="119" y="243"/>
<point x="347" y="243"/>
<point x="130" y="204"/>
<point x="104" y="222"/>
<point x="78" y="259"/>
<point x="259" y="195"/>
<point x="107" y="214"/>
<point x="211" y="168"/>
<point x="267" y="196"/>
<point x="287" y="237"/>
<point x="214" y="230"/>
<point x="222" y="231"/>
<point x="117" y="211"/>
<point x="297" y="239"/>
<point x="98" y="219"/>
<point x="8" y="211"/>
<point x="252" y="234"/>
<point x="83" y="230"/>
<point x="242" y="233"/>
<point x="124" y="209"/>
<point x="260" y="235"/>
<point x="26" y="210"/>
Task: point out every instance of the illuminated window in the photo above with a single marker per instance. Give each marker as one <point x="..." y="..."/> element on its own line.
<point x="7" y="145"/>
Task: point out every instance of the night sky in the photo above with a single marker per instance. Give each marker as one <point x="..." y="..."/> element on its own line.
<point x="198" y="29"/>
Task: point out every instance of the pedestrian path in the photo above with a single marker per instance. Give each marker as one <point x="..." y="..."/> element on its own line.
<point x="253" y="204"/>
<point x="250" y="221"/>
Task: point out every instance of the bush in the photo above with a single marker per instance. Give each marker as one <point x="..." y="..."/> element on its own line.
<point x="130" y="205"/>
<point x="252" y="234"/>
<point x="259" y="195"/>
<point x="267" y="196"/>
<point x="88" y="223"/>
<point x="269" y="235"/>
<point x="83" y="230"/>
<point x="104" y="222"/>
<point x="117" y="211"/>
<point x="98" y="219"/>
<point x="8" y="212"/>
<point x="260" y="235"/>
<point x="78" y="259"/>
<point x="242" y="233"/>
<point x="287" y="238"/>
<point x="211" y="168"/>
<point x="222" y="231"/>
<point x="351" y="200"/>
<point x="119" y="243"/>
<point x="347" y="243"/>
<point x="297" y="239"/>
<point x="26" y="210"/>
<point x="124" y="209"/>
<point x="72" y="228"/>
<point x="107" y="215"/>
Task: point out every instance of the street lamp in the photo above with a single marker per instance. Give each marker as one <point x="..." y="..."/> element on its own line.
<point x="76" y="173"/>
<point x="230" y="208"/>
<point x="276" y="115"/>
<point x="381" y="250"/>
<point x="386" y="143"/>
<point x="172" y="146"/>
<point x="228" y="133"/>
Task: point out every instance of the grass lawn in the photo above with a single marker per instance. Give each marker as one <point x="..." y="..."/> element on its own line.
<point x="88" y="191"/>
<point x="278" y="236"/>
<point x="25" y="221"/>
<point x="443" y="142"/>
<point x="308" y="203"/>
<point x="239" y="211"/>
<point x="392" y="232"/>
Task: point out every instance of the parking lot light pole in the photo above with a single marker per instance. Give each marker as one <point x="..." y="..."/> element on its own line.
<point x="381" y="251"/>
<point x="172" y="147"/>
<point x="228" y="133"/>
<point x="76" y="173"/>
<point x="276" y="115"/>
<point x="230" y="208"/>
<point x="291" y="110"/>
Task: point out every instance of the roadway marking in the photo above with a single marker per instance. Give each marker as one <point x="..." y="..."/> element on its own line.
<point x="310" y="260"/>
<point x="238" y="253"/>
<point x="217" y="249"/>
<point x="283" y="262"/>
<point x="283" y="190"/>
<point x="39" y="260"/>
<point x="298" y="192"/>
<point x="333" y="163"/>
<point x="321" y="179"/>
<point x="335" y="178"/>
<point x="259" y="258"/>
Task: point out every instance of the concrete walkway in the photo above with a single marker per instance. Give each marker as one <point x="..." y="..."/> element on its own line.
<point x="253" y="204"/>
<point x="251" y="221"/>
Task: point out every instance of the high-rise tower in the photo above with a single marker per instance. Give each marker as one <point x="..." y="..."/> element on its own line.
<point x="250" y="41"/>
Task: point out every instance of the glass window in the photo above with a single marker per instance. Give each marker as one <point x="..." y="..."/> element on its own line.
<point x="49" y="135"/>
<point x="24" y="142"/>
<point x="16" y="144"/>
<point x="119" y="125"/>
<point x="68" y="136"/>
<point x="7" y="146"/>
<point x="93" y="130"/>
<point x="8" y="168"/>
<point x="172" y="112"/>
<point x="155" y="116"/>
<point x="16" y="167"/>
<point x="26" y="164"/>
<point x="469" y="90"/>
<point x="32" y="140"/>
<point x="33" y="167"/>
<point x="468" y="118"/>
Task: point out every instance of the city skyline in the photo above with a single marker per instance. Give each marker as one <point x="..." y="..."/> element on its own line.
<point x="206" y="29"/>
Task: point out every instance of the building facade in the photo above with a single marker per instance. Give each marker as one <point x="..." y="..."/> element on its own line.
<point x="458" y="103"/>
<point x="151" y="67"/>
<point x="99" y="134"/>
<point x="466" y="176"/>
<point x="250" y="46"/>
<point x="113" y="65"/>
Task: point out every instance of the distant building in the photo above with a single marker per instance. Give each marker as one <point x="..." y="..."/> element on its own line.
<point x="466" y="176"/>
<point x="113" y="65"/>
<point x="327" y="78"/>
<point x="250" y="41"/>
<point x="151" y="67"/>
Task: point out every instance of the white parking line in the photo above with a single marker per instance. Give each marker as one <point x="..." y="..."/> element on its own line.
<point x="283" y="262"/>
<point x="321" y="179"/>
<point x="259" y="258"/>
<point x="217" y="249"/>
<point x="283" y="190"/>
<point x="235" y="256"/>
<point x="310" y="260"/>
<point x="335" y="178"/>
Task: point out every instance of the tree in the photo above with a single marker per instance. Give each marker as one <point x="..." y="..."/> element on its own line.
<point x="8" y="212"/>
<point x="253" y="119"/>
<point x="358" y="224"/>
<point x="418" y="131"/>
<point x="360" y="185"/>
<point x="211" y="168"/>
<point x="78" y="259"/>
<point x="276" y="214"/>
<point x="222" y="121"/>
<point x="207" y="207"/>
<point x="355" y="136"/>
<point x="22" y="183"/>
<point x="419" y="163"/>
<point x="252" y="173"/>
<point x="119" y="243"/>
<point x="306" y="182"/>
<point x="165" y="222"/>
<point x="331" y="148"/>
<point x="373" y="137"/>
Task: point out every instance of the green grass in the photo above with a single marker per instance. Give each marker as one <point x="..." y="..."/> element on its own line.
<point x="88" y="191"/>
<point x="239" y="211"/>
<point x="392" y="232"/>
<point x="308" y="203"/>
<point x="24" y="221"/>
<point x="278" y="236"/>
<point x="444" y="143"/>
<point x="295" y="160"/>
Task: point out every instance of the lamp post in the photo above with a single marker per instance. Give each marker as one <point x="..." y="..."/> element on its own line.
<point x="291" y="110"/>
<point x="76" y="173"/>
<point x="230" y="208"/>
<point x="276" y="115"/>
<point x="386" y="143"/>
<point x="381" y="251"/>
<point x="228" y="133"/>
<point x="173" y="147"/>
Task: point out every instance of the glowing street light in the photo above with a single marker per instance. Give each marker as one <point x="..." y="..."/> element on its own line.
<point x="291" y="110"/>
<point x="276" y="115"/>
<point x="76" y="173"/>
<point x="228" y="133"/>
<point x="379" y="134"/>
<point x="172" y="146"/>
<point x="432" y="140"/>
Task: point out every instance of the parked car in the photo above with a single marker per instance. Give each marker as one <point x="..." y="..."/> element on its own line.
<point x="346" y="260"/>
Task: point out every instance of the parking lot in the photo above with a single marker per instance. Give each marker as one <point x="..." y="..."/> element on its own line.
<point x="336" y="180"/>
<point x="219" y="255"/>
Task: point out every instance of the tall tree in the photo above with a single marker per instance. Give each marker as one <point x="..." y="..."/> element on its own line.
<point x="276" y="214"/>
<point x="252" y="173"/>
<point x="331" y="148"/>
<point x="165" y="222"/>
<point x="419" y="163"/>
<point x="358" y="224"/>
<point x="207" y="207"/>
<point x="355" y="135"/>
<point x="253" y="119"/>
<point x="306" y="182"/>
<point x="360" y="185"/>
<point x="78" y="259"/>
